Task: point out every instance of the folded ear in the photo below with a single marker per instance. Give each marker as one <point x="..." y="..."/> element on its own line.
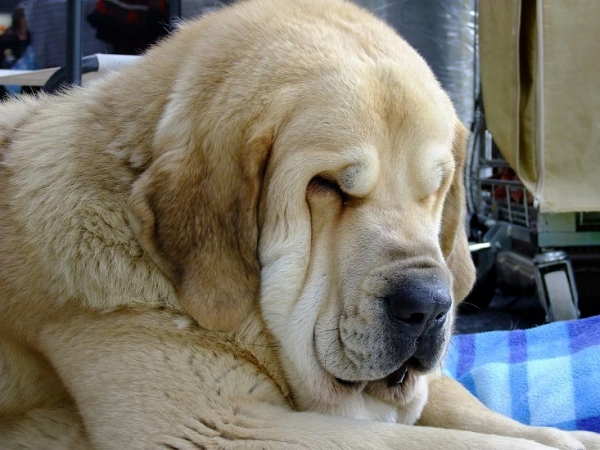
<point x="194" y="212"/>
<point x="455" y="245"/>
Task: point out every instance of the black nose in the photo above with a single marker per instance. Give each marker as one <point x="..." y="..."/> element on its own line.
<point x="419" y="304"/>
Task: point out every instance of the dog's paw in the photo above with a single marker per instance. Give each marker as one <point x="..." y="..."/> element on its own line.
<point x="556" y="438"/>
<point x="590" y="440"/>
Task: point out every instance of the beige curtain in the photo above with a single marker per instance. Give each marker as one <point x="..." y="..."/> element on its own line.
<point x="540" y="70"/>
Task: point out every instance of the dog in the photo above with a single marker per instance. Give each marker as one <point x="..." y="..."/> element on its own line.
<point x="250" y="238"/>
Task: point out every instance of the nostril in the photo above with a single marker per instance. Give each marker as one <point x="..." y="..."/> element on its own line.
<point x="438" y="322"/>
<point x="412" y="319"/>
<point x="419" y="305"/>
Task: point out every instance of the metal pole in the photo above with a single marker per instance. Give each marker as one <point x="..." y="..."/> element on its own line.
<point x="174" y="13"/>
<point x="74" y="41"/>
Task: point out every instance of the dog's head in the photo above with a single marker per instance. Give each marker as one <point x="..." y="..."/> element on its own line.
<point x="362" y="245"/>
<point x="324" y="164"/>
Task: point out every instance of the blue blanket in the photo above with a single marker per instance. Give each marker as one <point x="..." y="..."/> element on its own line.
<point x="545" y="376"/>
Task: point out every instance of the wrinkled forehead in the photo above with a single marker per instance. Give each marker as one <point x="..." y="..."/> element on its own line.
<point x="382" y="114"/>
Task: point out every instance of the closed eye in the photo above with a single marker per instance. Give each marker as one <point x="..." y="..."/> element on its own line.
<point x="446" y="169"/>
<point x="437" y="180"/>
<point x="320" y="185"/>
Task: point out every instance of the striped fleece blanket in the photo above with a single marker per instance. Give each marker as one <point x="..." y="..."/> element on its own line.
<point x="544" y="376"/>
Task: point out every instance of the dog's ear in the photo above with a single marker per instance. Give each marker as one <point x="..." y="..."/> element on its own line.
<point x="455" y="245"/>
<point x="194" y="211"/>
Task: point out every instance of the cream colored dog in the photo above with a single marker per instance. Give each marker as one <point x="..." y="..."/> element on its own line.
<point x="251" y="238"/>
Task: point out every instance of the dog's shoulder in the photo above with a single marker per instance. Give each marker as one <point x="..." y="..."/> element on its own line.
<point x="13" y="113"/>
<point x="67" y="184"/>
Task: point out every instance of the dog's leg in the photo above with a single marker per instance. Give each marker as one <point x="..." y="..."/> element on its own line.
<point x="587" y="438"/>
<point x="141" y="382"/>
<point x="451" y="406"/>
<point x="255" y="426"/>
<point x="35" y="412"/>
<point x="26" y="381"/>
<point x="49" y="428"/>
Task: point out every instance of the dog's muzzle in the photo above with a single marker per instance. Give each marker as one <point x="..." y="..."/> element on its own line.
<point x="418" y="307"/>
<point x="411" y="324"/>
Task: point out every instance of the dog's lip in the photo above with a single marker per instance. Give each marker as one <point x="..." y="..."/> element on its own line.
<point x="396" y="378"/>
<point x="350" y="384"/>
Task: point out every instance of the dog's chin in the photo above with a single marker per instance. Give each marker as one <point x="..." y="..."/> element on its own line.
<point x="395" y="387"/>
<point x="399" y="387"/>
<point x="395" y="378"/>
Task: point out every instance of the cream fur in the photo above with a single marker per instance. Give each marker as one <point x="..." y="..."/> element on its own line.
<point x="172" y="262"/>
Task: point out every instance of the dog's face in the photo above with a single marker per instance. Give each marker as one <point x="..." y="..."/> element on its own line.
<point x="355" y="282"/>
<point x="325" y="180"/>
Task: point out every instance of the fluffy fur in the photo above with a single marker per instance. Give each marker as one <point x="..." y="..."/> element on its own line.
<point x="199" y="251"/>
